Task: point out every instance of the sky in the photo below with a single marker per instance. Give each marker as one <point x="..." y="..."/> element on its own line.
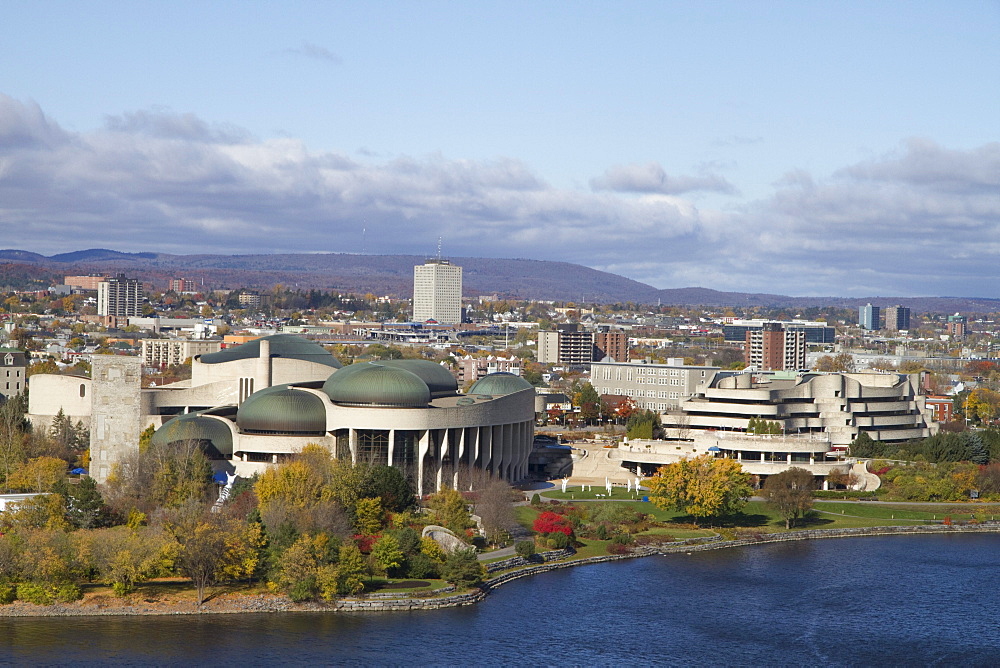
<point x="799" y="148"/>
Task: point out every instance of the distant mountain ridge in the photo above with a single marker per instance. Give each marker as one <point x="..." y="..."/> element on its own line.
<point x="393" y="275"/>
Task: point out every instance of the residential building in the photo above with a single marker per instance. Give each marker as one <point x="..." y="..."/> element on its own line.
<point x="816" y="332"/>
<point x="897" y="318"/>
<point x="183" y="285"/>
<point x="473" y="368"/>
<point x="567" y="345"/>
<point x="657" y="387"/>
<point x="957" y="326"/>
<point x="250" y="300"/>
<point x="437" y="292"/>
<point x="773" y="348"/>
<point x="13" y="367"/>
<point x="612" y="345"/>
<point x="869" y="317"/>
<point x="168" y="352"/>
<point x="943" y="407"/>
<point x="89" y="282"/>
<point x="119" y="297"/>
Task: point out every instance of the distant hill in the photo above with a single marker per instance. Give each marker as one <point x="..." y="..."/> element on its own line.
<point x="393" y="275"/>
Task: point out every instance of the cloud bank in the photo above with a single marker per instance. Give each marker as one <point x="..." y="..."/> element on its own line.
<point x="922" y="220"/>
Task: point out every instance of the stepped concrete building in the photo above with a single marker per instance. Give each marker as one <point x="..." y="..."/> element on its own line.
<point x="259" y="403"/>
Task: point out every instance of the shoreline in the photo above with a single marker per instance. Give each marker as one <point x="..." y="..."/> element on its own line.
<point x="275" y="603"/>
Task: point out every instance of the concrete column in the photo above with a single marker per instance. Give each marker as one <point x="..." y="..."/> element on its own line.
<point x="392" y="445"/>
<point x="352" y="443"/>
<point x="263" y="376"/>
<point x="422" y="446"/>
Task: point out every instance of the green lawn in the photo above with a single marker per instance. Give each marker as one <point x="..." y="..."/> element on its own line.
<point x="902" y="511"/>
<point x="598" y="493"/>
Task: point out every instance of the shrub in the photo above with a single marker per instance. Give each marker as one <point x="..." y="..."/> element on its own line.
<point x="525" y="548"/>
<point x="536" y="500"/>
<point x="421" y="566"/>
<point x="617" y="548"/>
<point x="558" y="540"/>
<point x="622" y="539"/>
<point x="8" y="593"/>
<point x="549" y="522"/>
<point x="65" y="593"/>
<point x="34" y="593"/>
<point x="602" y="532"/>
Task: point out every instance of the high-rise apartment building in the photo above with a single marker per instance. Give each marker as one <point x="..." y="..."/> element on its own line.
<point x="897" y="318"/>
<point x="119" y="297"/>
<point x="612" y="345"/>
<point x="567" y="345"/>
<point x="437" y="292"/>
<point x="869" y="317"/>
<point x="774" y="348"/>
<point x="957" y="325"/>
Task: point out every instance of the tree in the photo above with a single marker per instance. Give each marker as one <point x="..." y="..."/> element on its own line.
<point x="982" y="404"/>
<point x="369" y="516"/>
<point x="40" y="474"/>
<point x="495" y="509"/>
<point x="790" y="493"/>
<point x="701" y="487"/>
<point x="350" y="569"/>
<point x="643" y="424"/>
<point x="298" y="568"/>
<point x="126" y="556"/>
<point x="462" y="569"/>
<point x="212" y="546"/>
<point x="390" y="485"/>
<point x="451" y="510"/>
<point x="386" y="554"/>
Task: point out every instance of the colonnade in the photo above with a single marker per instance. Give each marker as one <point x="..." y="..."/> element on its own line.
<point x="502" y="450"/>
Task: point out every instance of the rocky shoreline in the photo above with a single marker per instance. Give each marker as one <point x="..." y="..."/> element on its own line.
<point x="276" y="603"/>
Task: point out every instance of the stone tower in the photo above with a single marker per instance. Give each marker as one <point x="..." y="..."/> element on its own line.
<point x="116" y="418"/>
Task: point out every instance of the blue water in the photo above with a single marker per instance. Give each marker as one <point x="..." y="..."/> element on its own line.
<point x="901" y="600"/>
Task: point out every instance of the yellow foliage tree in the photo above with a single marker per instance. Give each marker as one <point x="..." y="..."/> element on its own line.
<point x="701" y="487"/>
<point x="40" y="474"/>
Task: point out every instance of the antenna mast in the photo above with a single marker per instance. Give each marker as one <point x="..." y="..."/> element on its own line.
<point x="439" y="249"/>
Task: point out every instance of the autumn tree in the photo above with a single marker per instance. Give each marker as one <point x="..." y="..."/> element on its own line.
<point x="982" y="405"/>
<point x="701" y="487"/>
<point x="126" y="556"/>
<point x="212" y="547"/>
<point x="494" y="507"/>
<point x="451" y="510"/>
<point x="790" y="493"/>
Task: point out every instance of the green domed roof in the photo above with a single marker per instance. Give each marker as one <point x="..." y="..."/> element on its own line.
<point x="499" y="384"/>
<point x="376" y="384"/>
<point x="437" y="378"/>
<point x="196" y="427"/>
<point x="282" y="345"/>
<point x="282" y="410"/>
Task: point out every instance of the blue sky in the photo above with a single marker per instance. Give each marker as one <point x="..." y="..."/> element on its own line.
<point x="805" y="148"/>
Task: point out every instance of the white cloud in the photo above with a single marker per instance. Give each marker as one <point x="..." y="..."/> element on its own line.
<point x="651" y="178"/>
<point x="921" y="220"/>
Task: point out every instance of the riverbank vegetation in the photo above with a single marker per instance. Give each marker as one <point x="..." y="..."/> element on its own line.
<point x="313" y="528"/>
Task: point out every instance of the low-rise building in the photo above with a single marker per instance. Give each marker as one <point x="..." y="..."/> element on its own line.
<point x="657" y="387"/>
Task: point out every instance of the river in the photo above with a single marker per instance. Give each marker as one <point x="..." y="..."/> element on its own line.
<point x="899" y="600"/>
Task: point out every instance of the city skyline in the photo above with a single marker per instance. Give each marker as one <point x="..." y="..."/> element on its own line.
<point x="783" y="148"/>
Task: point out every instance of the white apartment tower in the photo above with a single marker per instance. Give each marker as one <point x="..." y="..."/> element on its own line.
<point x="437" y="292"/>
<point x="120" y="297"/>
